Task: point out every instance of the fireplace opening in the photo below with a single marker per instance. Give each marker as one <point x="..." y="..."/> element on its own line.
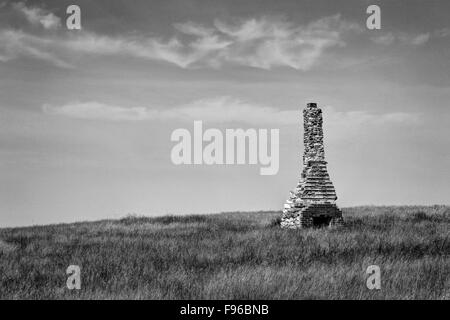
<point x="321" y="221"/>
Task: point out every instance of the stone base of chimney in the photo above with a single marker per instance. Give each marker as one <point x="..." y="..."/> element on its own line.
<point x="314" y="215"/>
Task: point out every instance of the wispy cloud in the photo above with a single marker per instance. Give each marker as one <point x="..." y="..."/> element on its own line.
<point x="224" y="110"/>
<point x="441" y="33"/>
<point x="403" y="38"/>
<point x="362" y="118"/>
<point x="15" y="44"/>
<point x="99" y="111"/>
<point x="264" y="42"/>
<point x="385" y="39"/>
<point x="38" y="16"/>
<point x="417" y="40"/>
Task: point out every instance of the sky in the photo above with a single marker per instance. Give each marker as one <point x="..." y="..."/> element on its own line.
<point x="86" y="116"/>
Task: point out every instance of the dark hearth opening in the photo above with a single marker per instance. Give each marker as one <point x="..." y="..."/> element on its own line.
<point x="321" y="221"/>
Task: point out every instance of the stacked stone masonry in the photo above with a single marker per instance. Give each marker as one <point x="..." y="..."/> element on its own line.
<point x="312" y="202"/>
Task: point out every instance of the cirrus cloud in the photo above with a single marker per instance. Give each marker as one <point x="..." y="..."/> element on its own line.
<point x="264" y="42"/>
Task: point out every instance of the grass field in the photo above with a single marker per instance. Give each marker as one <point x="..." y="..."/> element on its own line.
<point x="232" y="256"/>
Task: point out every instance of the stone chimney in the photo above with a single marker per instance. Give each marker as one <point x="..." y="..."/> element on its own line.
<point x="312" y="202"/>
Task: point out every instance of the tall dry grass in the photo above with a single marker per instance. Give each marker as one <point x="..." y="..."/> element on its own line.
<point x="232" y="256"/>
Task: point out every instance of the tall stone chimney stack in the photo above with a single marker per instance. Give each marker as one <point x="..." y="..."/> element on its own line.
<point x="312" y="202"/>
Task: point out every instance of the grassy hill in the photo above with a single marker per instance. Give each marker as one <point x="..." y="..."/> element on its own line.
<point x="232" y="256"/>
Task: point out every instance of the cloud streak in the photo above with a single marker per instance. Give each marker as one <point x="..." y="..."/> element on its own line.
<point x="405" y="38"/>
<point x="263" y="43"/>
<point x="15" y="44"/>
<point x="224" y="110"/>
